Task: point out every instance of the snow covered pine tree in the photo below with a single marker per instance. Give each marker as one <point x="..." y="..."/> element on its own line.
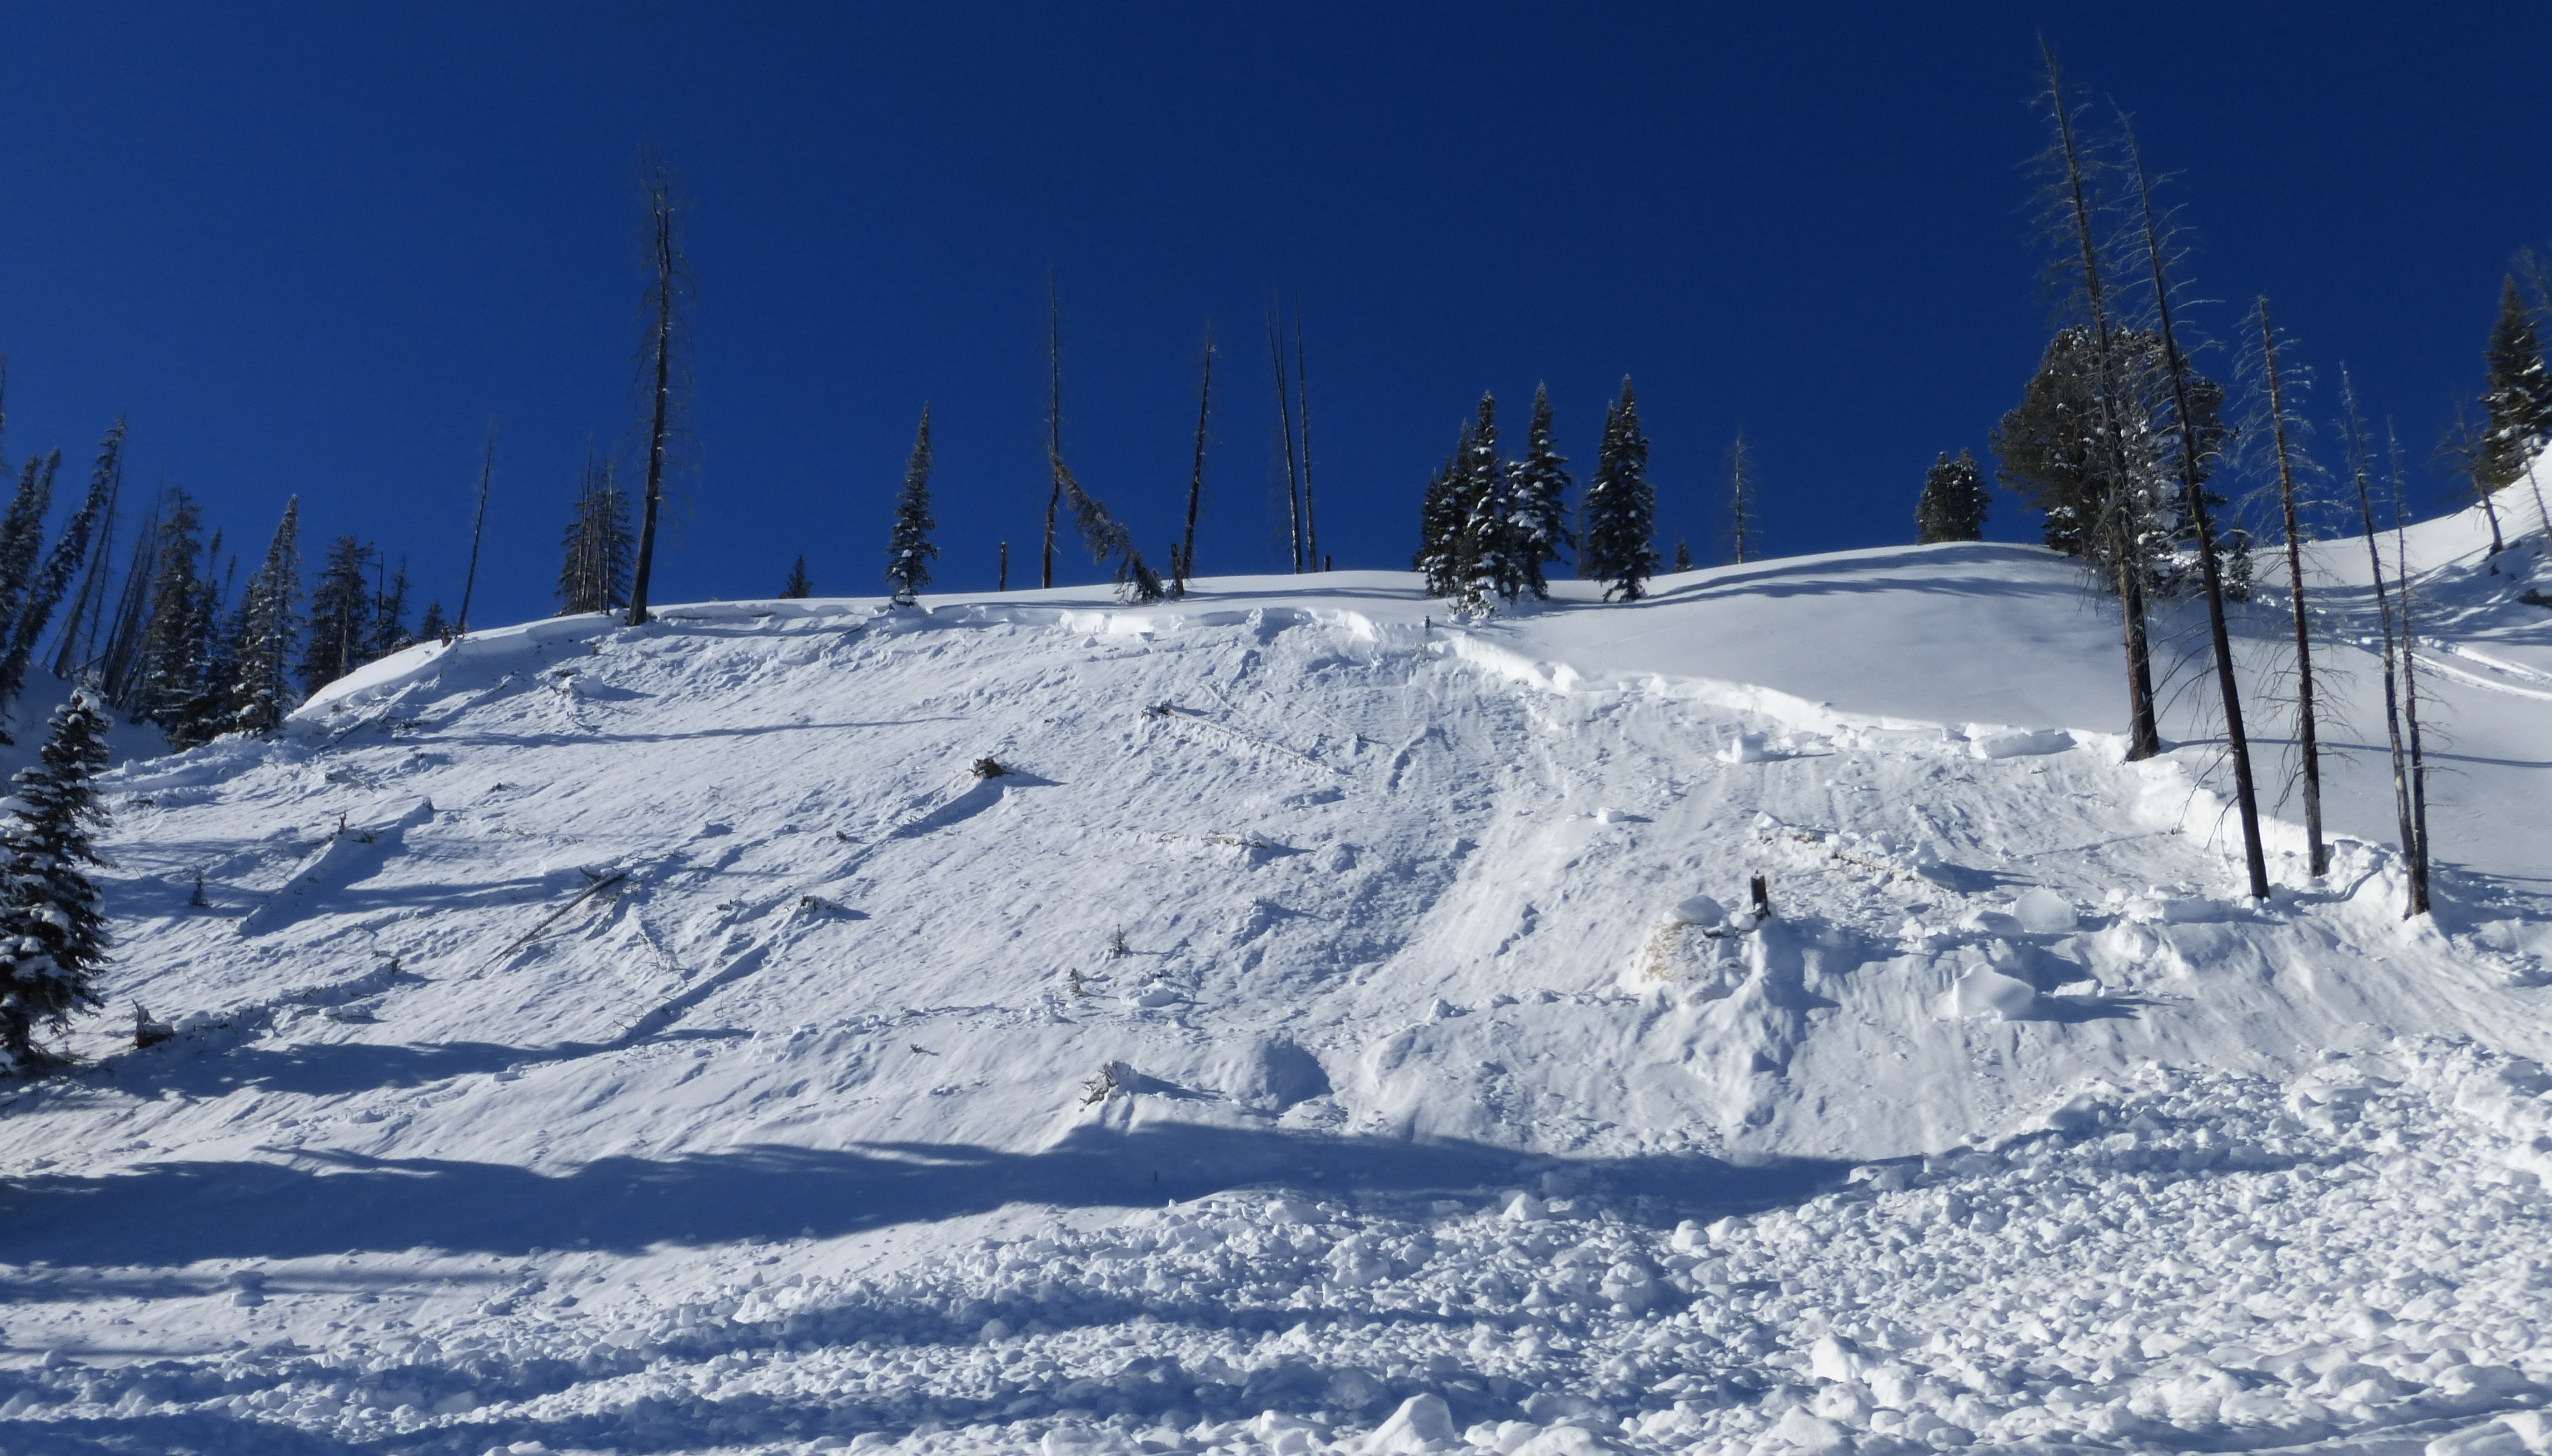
<point x="52" y="934"/>
<point x="1620" y="507"/>
<point x="1952" y="505"/>
<point x="908" y="548"/>
<point x="1539" y="523"/>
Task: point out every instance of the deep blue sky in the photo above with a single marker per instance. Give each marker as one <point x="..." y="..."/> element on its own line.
<point x="317" y="249"/>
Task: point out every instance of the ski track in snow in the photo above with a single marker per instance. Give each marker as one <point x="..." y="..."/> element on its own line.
<point x="679" y="1050"/>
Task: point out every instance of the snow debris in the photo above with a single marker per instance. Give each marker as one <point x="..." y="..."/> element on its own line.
<point x="727" y="1065"/>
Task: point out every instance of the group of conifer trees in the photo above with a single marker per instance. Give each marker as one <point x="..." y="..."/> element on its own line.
<point x="173" y="637"/>
<point x="190" y="647"/>
<point x="1489" y="525"/>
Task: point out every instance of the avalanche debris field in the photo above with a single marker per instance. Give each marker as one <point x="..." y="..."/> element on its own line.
<point x="1283" y="1021"/>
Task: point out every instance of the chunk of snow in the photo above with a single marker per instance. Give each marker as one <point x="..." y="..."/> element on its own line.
<point x="1745" y="748"/>
<point x="1421" y="1423"/>
<point x="2043" y="911"/>
<point x="1700" y="909"/>
<point x="1984" y="991"/>
<point x="1991" y="742"/>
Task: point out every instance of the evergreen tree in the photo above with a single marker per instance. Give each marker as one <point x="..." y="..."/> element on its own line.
<point x="1952" y="505"/>
<point x="1440" y="523"/>
<point x="431" y="626"/>
<point x="269" y="625"/>
<point x="799" y="585"/>
<point x="1620" y="508"/>
<point x="53" y="929"/>
<point x="2062" y="447"/>
<point x="1539" y="526"/>
<point x="340" y="615"/>
<point x="51" y="581"/>
<point x="1491" y="563"/>
<point x="908" y="549"/>
<point x="2518" y="402"/>
<point x="170" y="648"/>
<point x="212" y="667"/>
<point x="1683" y="556"/>
<point x="22" y="534"/>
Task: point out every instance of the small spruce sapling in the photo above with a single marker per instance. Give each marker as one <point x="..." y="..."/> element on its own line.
<point x="798" y="586"/>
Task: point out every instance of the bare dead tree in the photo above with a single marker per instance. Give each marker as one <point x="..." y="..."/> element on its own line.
<point x="2069" y="208"/>
<point x="1740" y="499"/>
<point x="1303" y="407"/>
<point x="2193" y="498"/>
<point x="478" y="524"/>
<point x="2317" y="854"/>
<point x="1284" y="422"/>
<point x="2361" y="470"/>
<point x="1053" y="422"/>
<point x="2419" y="855"/>
<point x="667" y="290"/>
<point x="1183" y="561"/>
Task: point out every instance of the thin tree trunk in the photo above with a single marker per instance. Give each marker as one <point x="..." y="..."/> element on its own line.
<point x="660" y="200"/>
<point x="1053" y="422"/>
<point x="2144" y="736"/>
<point x="2418" y="897"/>
<point x="1303" y="406"/>
<point x="79" y="634"/>
<point x="1001" y="582"/>
<point x="2246" y="794"/>
<point x="1285" y="419"/>
<point x="478" y="522"/>
<point x="2317" y="854"/>
<point x="1184" y="559"/>
<point x="2359" y="467"/>
<point x="2536" y="486"/>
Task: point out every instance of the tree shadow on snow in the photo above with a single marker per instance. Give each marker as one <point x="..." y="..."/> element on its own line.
<point x="309" y="1202"/>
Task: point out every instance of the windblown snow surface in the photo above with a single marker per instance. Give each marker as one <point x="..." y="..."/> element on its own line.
<point x="1335" y="1031"/>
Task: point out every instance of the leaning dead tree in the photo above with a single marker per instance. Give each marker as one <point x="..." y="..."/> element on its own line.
<point x="1183" y="561"/>
<point x="667" y="290"/>
<point x="2193" y="500"/>
<point x="478" y="524"/>
<point x="1103" y="533"/>
<point x="2361" y="470"/>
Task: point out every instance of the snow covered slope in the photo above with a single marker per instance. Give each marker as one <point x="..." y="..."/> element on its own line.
<point x="1330" y="1028"/>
